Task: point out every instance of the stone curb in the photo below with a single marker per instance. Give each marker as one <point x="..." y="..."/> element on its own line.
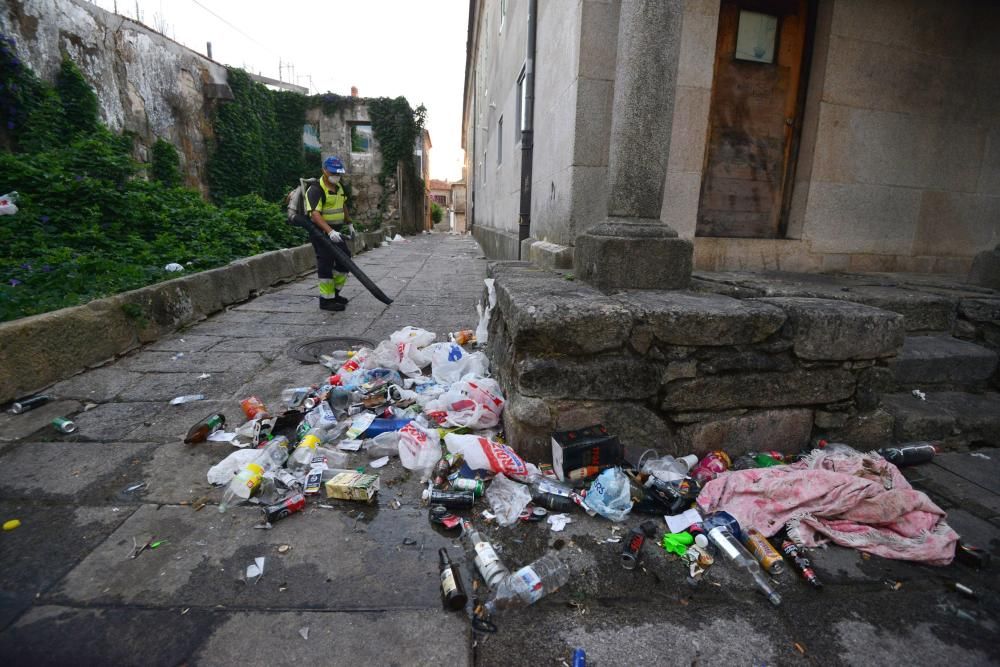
<point x="42" y="349"/>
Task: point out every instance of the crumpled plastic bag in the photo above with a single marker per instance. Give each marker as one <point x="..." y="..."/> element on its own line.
<point x="414" y="336"/>
<point x="406" y="351"/>
<point x="223" y="471"/>
<point x="610" y="495"/>
<point x="507" y="499"/>
<point x="450" y="363"/>
<point x="419" y="449"/>
<point x="485" y="454"/>
<point x="7" y="205"/>
<point x="475" y="403"/>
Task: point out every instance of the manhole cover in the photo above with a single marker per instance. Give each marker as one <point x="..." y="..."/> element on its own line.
<point x="309" y="350"/>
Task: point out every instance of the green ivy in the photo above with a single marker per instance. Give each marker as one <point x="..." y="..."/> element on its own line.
<point x="396" y="127"/>
<point x="165" y="164"/>
<point x="87" y="227"/>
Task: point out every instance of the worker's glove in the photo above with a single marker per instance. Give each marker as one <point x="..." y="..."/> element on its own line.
<point x="334" y="236"/>
<point x="350" y="231"/>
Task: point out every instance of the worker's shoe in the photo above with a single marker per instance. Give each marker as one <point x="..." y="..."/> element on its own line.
<point x="330" y="304"/>
<point x="340" y="299"/>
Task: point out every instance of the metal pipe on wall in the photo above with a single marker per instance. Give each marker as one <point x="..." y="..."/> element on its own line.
<point x="527" y="129"/>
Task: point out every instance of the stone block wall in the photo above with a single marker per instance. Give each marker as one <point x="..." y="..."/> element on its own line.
<point x="686" y="372"/>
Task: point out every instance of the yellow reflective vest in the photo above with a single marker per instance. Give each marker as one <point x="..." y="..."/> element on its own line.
<point x="333" y="203"/>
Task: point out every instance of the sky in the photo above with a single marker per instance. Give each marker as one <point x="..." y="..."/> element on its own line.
<point x="384" y="47"/>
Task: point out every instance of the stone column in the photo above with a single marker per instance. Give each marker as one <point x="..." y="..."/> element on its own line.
<point x="632" y="248"/>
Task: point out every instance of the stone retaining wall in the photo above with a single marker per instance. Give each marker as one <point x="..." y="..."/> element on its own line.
<point x="39" y="350"/>
<point x="685" y="371"/>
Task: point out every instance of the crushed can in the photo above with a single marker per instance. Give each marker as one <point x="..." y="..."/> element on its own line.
<point x="280" y="510"/>
<point x="711" y="466"/>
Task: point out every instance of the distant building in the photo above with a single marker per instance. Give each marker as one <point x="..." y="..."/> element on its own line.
<point x="439" y="192"/>
<point x="806" y="135"/>
<point x="458" y="196"/>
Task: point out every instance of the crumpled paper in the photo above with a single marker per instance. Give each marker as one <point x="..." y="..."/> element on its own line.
<point x="558" y="521"/>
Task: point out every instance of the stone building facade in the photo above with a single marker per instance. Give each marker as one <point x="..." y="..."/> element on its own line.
<point x="826" y="135"/>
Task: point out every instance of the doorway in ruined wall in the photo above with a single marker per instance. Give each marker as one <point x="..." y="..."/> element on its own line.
<point x="755" y="117"/>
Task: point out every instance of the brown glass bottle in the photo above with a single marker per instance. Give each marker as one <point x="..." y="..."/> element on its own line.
<point x="206" y="427"/>
<point x="452" y="589"/>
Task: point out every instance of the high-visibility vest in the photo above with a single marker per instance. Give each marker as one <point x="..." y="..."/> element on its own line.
<point x="333" y="203"/>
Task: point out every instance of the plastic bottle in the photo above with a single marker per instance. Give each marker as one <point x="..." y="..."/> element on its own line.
<point x="301" y="459"/>
<point x="274" y="454"/>
<point x="738" y="555"/>
<point x="242" y="485"/>
<point x="384" y="444"/>
<point x="668" y="468"/>
<point x="711" y="466"/>
<point x="206" y="427"/>
<point x="488" y="563"/>
<point x="190" y="398"/>
<point x="800" y="562"/>
<point x="380" y="426"/>
<point x="910" y="454"/>
<point x="530" y="584"/>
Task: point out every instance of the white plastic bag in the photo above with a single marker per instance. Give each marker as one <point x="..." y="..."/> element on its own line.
<point x="223" y="471"/>
<point x="610" y="495"/>
<point x="450" y="363"/>
<point x="483" y="328"/>
<point x="507" y="499"/>
<point x="419" y="449"/>
<point x="414" y="336"/>
<point x="7" y="205"/>
<point x="485" y="454"/>
<point x="473" y="403"/>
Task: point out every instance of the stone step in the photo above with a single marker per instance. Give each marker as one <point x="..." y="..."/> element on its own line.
<point x="942" y="360"/>
<point x="958" y="418"/>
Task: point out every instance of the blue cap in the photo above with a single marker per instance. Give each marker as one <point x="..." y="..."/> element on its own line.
<point x="333" y="165"/>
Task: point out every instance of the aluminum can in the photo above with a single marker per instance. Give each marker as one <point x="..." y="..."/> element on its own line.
<point x="280" y="510"/>
<point x="765" y="553"/>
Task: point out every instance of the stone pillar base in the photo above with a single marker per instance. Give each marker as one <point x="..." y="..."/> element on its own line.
<point x="633" y="254"/>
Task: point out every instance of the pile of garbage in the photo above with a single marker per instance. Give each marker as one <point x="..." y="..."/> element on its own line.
<point x="434" y="406"/>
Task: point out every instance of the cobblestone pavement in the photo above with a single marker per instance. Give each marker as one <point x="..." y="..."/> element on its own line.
<point x="362" y="578"/>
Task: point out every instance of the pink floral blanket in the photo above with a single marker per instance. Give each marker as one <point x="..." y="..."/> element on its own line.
<point x="860" y="501"/>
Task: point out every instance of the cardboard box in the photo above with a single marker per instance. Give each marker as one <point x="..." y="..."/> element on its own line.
<point x="352" y="485"/>
<point x="585" y="447"/>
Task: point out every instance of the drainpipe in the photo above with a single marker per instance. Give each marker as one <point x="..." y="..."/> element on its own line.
<point x="527" y="132"/>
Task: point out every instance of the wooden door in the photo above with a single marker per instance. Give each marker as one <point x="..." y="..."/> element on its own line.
<point x="754" y="118"/>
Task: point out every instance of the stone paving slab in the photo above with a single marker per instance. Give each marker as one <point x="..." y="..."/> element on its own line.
<point x="202" y="362"/>
<point x="115" y="421"/>
<point x="163" y="387"/>
<point x="979" y="470"/>
<point x="333" y="564"/>
<point x="14" y="427"/>
<point x="48" y="544"/>
<point x="184" y="343"/>
<point x="370" y="638"/>
<point x="97" y="385"/>
<point x="68" y="470"/>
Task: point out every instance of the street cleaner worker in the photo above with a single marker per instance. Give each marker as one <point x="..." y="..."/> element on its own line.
<point x="326" y="207"/>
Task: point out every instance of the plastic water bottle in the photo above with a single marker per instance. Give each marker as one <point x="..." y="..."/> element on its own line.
<point x="301" y="460"/>
<point x="274" y="454"/>
<point x="242" y="485"/>
<point x="910" y="453"/>
<point x="668" y="468"/>
<point x="738" y="555"/>
<point x="530" y="584"/>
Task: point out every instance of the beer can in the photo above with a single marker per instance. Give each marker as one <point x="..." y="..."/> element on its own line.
<point x="465" y="484"/>
<point x="29" y="403"/>
<point x="769" y="557"/>
<point x="632" y="548"/>
<point x="64" y="425"/>
<point x="280" y="510"/>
